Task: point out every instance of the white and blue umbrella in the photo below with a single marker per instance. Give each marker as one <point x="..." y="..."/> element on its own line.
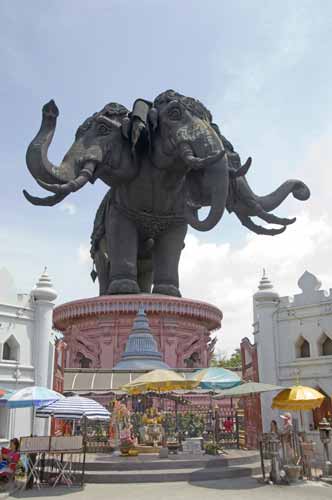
<point x="74" y="408"/>
<point x="216" y="378"/>
<point x="32" y="396"/>
<point x="4" y="398"/>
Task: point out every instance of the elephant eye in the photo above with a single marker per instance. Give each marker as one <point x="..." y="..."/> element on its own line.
<point x="103" y="130"/>
<point x="175" y="113"/>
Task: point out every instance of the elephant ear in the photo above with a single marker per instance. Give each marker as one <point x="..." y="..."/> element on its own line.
<point x="140" y="134"/>
<point x="197" y="195"/>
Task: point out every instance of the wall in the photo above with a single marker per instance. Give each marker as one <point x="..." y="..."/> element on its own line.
<point x="282" y="324"/>
<point x="28" y="345"/>
<point x="16" y="328"/>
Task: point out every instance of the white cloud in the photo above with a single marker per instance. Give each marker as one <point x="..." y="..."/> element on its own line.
<point x="68" y="207"/>
<point x="84" y="253"/>
<point x="228" y="275"/>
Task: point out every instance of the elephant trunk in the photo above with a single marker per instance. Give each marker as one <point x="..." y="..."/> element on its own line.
<point x="215" y="187"/>
<point x="271" y="201"/>
<point x="36" y="157"/>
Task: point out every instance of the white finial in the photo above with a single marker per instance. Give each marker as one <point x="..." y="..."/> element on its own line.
<point x="265" y="283"/>
<point x="44" y="288"/>
<point x="141" y="311"/>
<point x="265" y="289"/>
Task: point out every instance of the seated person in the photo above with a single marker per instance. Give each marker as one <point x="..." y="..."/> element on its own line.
<point x="9" y="457"/>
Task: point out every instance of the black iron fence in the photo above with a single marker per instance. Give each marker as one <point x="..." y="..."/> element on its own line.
<point x="223" y="426"/>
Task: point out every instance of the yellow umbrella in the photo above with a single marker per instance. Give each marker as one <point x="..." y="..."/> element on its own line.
<point x="297" y="398"/>
<point x="159" y="380"/>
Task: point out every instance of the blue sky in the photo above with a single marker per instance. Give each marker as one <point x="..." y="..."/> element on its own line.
<point x="262" y="67"/>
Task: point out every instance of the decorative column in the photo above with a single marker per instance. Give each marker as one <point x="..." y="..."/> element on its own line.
<point x="43" y="296"/>
<point x="266" y="301"/>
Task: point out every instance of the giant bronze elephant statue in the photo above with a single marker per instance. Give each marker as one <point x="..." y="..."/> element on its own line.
<point x="163" y="161"/>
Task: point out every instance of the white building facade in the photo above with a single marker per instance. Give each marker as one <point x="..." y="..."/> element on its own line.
<point x="293" y="336"/>
<point x="26" y="350"/>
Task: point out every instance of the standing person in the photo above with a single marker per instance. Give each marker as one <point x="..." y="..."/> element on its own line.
<point x="286" y="438"/>
<point x="274" y="427"/>
<point x="228" y="424"/>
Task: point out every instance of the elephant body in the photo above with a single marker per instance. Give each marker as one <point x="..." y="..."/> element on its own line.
<point x="162" y="161"/>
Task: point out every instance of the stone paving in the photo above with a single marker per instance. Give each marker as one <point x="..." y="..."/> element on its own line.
<point x="240" y="489"/>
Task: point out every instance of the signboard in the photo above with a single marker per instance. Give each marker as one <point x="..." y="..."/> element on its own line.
<point x="66" y="443"/>
<point x="34" y="444"/>
<point x="44" y="444"/>
<point x="192" y="446"/>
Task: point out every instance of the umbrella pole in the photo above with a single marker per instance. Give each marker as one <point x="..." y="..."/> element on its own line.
<point x="84" y="448"/>
<point x="33" y="421"/>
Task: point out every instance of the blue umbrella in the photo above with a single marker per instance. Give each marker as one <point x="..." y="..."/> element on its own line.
<point x="216" y="378"/>
<point x="32" y="396"/>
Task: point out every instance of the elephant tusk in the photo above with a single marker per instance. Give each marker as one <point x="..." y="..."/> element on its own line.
<point x="241" y="171"/>
<point x="56" y="188"/>
<point x="187" y="154"/>
<point x="71" y="186"/>
<point x="48" y="201"/>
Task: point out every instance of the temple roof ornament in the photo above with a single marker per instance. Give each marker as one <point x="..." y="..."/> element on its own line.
<point x="309" y="283"/>
<point x="141" y="350"/>
<point x="44" y="288"/>
<point x="266" y="290"/>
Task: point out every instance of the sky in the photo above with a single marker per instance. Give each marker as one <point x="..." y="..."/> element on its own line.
<point x="264" y="70"/>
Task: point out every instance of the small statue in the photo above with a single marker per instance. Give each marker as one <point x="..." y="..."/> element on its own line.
<point x="193" y="361"/>
<point x="152" y="431"/>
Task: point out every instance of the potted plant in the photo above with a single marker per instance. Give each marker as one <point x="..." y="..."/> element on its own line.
<point x="212" y="448"/>
<point x="126" y="445"/>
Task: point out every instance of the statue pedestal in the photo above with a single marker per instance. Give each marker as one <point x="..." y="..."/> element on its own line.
<point x="96" y="329"/>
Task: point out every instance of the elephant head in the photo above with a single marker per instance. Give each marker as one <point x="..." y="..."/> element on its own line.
<point x="98" y="151"/>
<point x="183" y="135"/>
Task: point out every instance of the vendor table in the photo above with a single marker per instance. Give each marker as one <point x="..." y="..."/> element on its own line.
<point x="45" y="449"/>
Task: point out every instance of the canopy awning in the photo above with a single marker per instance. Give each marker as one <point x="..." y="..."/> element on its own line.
<point x="85" y="381"/>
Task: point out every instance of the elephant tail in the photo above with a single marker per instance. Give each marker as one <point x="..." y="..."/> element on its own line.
<point x="299" y="190"/>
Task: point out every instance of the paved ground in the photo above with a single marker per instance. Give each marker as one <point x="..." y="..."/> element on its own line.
<point x="239" y="489"/>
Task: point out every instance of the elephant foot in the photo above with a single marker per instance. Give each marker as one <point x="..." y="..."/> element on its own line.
<point x="123" y="286"/>
<point x="167" y="290"/>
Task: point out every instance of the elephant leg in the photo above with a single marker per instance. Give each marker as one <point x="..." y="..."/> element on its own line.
<point x="166" y="256"/>
<point x="248" y="223"/>
<point x="122" y="244"/>
<point x="145" y="274"/>
<point x="102" y="268"/>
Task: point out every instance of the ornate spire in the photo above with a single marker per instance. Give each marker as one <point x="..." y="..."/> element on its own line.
<point x="265" y="289"/>
<point x="265" y="283"/>
<point x="44" y="288"/>
<point x="141" y="350"/>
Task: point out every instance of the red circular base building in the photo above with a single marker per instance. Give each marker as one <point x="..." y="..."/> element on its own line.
<point x="96" y="329"/>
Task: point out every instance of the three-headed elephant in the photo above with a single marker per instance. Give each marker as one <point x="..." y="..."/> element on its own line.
<point x="163" y="161"/>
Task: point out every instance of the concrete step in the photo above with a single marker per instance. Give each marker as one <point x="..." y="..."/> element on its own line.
<point x="171" y="475"/>
<point x="173" y="462"/>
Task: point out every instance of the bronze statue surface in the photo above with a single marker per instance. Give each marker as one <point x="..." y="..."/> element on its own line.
<point x="163" y="161"/>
